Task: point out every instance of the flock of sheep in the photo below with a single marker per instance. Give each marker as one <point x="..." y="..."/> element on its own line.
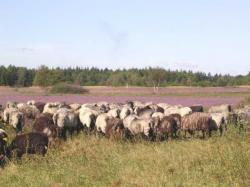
<point x="151" y="121"/>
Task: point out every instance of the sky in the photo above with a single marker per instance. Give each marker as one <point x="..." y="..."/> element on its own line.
<point x="209" y="36"/>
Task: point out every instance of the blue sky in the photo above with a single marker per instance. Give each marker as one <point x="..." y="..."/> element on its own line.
<point x="210" y="36"/>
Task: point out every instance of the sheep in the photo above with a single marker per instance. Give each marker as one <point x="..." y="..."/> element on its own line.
<point x="177" y="118"/>
<point x="51" y="108"/>
<point x="137" y="104"/>
<point x="129" y="104"/>
<point x="31" y="102"/>
<point x="115" y="112"/>
<point x="101" y="109"/>
<point x="44" y="124"/>
<point x="30" y="111"/>
<point x="219" y="121"/>
<point x="243" y="117"/>
<point x="75" y="106"/>
<point x="163" y="105"/>
<point x="158" y="114"/>
<point x="3" y="146"/>
<point x="66" y="120"/>
<point x="178" y="110"/>
<point x="232" y="118"/>
<point x="20" y="105"/>
<point x="14" y="118"/>
<point x="129" y="119"/>
<point x="115" y="128"/>
<point x="142" y="127"/>
<point x="156" y="108"/>
<point x="197" y="121"/>
<point x="125" y="111"/>
<point x="144" y="112"/>
<point x="103" y="106"/>
<point x="87" y="118"/>
<point x="197" y="108"/>
<point x="220" y="108"/>
<point x="11" y="104"/>
<point x="39" y="106"/>
<point x="167" y="127"/>
<point x="101" y="122"/>
<point x="31" y="143"/>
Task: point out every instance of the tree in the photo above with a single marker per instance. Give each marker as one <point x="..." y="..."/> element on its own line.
<point x="156" y="76"/>
<point x="22" y="76"/>
<point x="42" y="76"/>
<point x="56" y="76"/>
<point x="11" y="75"/>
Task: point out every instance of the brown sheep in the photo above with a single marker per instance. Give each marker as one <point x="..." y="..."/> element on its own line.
<point x="197" y="121"/>
<point x="44" y="124"/>
<point x="115" y="128"/>
<point x="40" y="106"/>
<point x="167" y="128"/>
<point x="197" y="108"/>
<point x="177" y="118"/>
<point x="31" y="143"/>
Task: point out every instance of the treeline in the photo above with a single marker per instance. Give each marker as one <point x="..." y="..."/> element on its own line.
<point x="44" y="76"/>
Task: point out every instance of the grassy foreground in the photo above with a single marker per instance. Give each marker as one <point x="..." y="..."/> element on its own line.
<point x="91" y="161"/>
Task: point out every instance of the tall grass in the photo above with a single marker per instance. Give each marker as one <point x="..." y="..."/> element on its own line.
<point x="91" y="161"/>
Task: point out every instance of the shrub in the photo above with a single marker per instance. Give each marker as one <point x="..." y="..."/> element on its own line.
<point x="246" y="101"/>
<point x="64" y="88"/>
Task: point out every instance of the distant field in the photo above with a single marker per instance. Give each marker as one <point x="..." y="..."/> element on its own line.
<point x="173" y="95"/>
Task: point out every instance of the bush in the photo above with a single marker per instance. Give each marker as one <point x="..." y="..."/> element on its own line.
<point x="246" y="101"/>
<point x="64" y="88"/>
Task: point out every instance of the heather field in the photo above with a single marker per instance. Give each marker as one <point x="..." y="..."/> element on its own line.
<point x="172" y="95"/>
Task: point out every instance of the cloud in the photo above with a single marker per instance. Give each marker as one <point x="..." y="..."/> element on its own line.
<point x="178" y="65"/>
<point x="118" y="38"/>
<point x="25" y="49"/>
<point x="185" y="65"/>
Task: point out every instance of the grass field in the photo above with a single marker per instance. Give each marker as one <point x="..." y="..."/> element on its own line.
<point x="87" y="160"/>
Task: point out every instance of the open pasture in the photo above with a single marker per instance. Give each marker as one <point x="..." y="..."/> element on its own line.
<point x="91" y="160"/>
